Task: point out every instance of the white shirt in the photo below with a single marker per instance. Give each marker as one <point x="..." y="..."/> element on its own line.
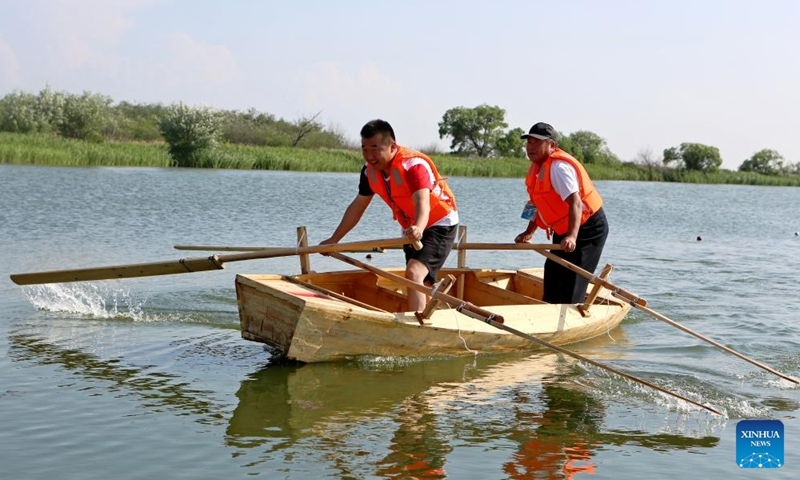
<point x="564" y="178"/>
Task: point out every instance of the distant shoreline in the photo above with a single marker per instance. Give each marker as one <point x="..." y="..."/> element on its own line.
<point x="42" y="149"/>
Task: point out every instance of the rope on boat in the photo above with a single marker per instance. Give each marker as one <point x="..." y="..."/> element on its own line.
<point x="458" y="327"/>
<point x="182" y="261"/>
<point x="608" y="325"/>
<point x="299" y="241"/>
<point x="459" y="238"/>
<point x="634" y="301"/>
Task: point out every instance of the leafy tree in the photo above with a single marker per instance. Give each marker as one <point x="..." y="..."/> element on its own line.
<point x="138" y="121"/>
<point x="589" y="147"/>
<point x="255" y="128"/>
<point x="85" y="117"/>
<point x="49" y="108"/>
<point x="766" y="161"/>
<point x="672" y="156"/>
<point x="694" y="156"/>
<point x="19" y="113"/>
<point x="189" y="132"/>
<point x="510" y="144"/>
<point x="27" y="113"/>
<point x="249" y="128"/>
<point x="792" y="168"/>
<point x="475" y="131"/>
<point x="564" y="142"/>
<point x="93" y="117"/>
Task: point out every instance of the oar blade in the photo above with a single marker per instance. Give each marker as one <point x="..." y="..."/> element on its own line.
<point x="185" y="265"/>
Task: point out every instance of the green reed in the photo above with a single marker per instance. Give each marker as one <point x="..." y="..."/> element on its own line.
<point x="42" y="149"/>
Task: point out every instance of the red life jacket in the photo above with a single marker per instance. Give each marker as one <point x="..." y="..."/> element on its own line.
<point x="552" y="211"/>
<point x="398" y="195"/>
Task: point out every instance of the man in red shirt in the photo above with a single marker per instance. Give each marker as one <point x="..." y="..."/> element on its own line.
<point x="419" y="197"/>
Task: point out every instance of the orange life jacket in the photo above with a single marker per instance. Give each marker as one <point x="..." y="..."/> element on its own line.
<point x="552" y="211"/>
<point x="548" y="456"/>
<point x="398" y="194"/>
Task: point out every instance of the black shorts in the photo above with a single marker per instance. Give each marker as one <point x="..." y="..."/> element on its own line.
<point x="436" y="245"/>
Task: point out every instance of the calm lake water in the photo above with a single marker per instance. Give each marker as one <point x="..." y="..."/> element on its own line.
<point x="149" y="378"/>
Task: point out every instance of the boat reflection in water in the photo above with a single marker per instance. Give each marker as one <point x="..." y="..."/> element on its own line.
<point x="385" y="418"/>
<point x="393" y="418"/>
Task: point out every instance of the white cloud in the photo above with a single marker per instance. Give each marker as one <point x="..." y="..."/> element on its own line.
<point x="367" y="88"/>
<point x="195" y="63"/>
<point x="85" y="32"/>
<point x="351" y="97"/>
<point x="86" y="45"/>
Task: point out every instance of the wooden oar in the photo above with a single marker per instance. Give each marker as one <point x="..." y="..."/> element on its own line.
<point x="188" y="265"/>
<point x="497" y="322"/>
<point x="640" y="303"/>
<point x="456" y="246"/>
<point x="506" y="246"/>
<point x="224" y="248"/>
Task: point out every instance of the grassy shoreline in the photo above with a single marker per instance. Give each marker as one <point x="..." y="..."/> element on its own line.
<point x="40" y="149"/>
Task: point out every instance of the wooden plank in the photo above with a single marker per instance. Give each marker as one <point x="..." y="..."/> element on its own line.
<point x="333" y="294"/>
<point x="480" y="293"/>
<point x="462" y="260"/>
<point x="443" y="286"/>
<point x="528" y="285"/>
<point x="584" y="309"/>
<point x="462" y="252"/>
<point x="302" y="241"/>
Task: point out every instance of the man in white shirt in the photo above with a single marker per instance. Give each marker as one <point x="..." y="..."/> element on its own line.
<point x="564" y="201"/>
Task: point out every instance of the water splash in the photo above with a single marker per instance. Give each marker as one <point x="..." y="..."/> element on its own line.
<point x="86" y="299"/>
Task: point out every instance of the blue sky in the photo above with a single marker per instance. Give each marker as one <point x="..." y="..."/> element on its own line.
<point x="643" y="75"/>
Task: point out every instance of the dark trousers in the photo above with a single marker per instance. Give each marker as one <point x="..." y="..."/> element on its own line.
<point x="561" y="285"/>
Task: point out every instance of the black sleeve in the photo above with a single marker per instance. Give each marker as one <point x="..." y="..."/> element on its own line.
<point x="363" y="184"/>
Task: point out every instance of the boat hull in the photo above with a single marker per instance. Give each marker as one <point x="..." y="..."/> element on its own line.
<point x="309" y="324"/>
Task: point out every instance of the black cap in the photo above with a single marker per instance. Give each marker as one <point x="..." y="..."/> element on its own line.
<point x="541" y="131"/>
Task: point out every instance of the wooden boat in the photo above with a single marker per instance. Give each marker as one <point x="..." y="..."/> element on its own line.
<point x="320" y="317"/>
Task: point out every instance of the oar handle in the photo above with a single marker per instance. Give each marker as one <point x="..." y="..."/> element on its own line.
<point x="329" y="248"/>
<point x="506" y="246"/>
<point x="231" y="248"/>
<point x="456" y="246"/>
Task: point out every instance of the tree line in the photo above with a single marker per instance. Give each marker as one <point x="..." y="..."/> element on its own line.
<point x="192" y="132"/>
<point x="482" y="132"/>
